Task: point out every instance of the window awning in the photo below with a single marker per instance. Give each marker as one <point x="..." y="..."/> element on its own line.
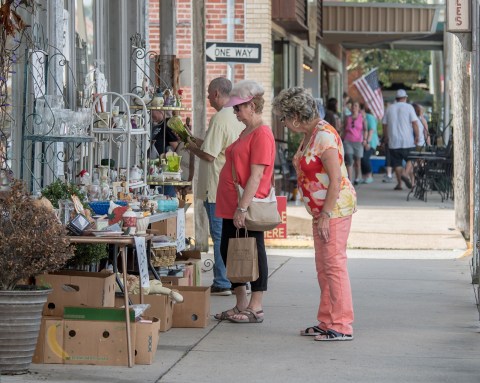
<point x="383" y="25"/>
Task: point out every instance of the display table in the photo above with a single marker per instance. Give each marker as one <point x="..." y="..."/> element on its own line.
<point x="181" y="185"/>
<point x="122" y="242"/>
<point x="161" y="216"/>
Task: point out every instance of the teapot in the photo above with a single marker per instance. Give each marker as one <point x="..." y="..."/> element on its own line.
<point x="158" y="99"/>
<point x="135" y="173"/>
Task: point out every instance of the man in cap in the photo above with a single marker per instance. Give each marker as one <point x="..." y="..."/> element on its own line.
<point x="400" y="129"/>
<point x="223" y="130"/>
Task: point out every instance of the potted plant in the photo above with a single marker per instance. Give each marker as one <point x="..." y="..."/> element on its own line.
<point x="32" y="241"/>
<point x="86" y="253"/>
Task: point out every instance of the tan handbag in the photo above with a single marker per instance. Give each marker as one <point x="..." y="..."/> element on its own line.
<point x="262" y="213"/>
<point x="242" y="259"/>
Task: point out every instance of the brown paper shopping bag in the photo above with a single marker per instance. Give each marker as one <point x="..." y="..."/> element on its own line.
<point x="242" y="259"/>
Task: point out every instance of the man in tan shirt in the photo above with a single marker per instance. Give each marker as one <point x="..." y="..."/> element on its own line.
<point x="223" y="130"/>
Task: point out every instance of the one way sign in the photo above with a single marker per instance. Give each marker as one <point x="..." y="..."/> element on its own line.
<point x="234" y="52"/>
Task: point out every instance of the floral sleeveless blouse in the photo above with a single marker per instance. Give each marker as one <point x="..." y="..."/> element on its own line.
<point x="312" y="178"/>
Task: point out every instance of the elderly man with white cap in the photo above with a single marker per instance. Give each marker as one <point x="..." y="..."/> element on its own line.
<point x="400" y="129"/>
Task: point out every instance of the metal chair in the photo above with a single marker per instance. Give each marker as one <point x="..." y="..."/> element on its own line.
<point x="433" y="171"/>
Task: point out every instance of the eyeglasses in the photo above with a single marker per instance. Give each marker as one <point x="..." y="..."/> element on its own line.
<point x="282" y="119"/>
<point x="236" y="108"/>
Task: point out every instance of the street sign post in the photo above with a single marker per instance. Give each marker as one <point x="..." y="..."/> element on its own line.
<point x="234" y="52"/>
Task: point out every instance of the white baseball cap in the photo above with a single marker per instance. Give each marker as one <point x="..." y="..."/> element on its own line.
<point x="401" y="93"/>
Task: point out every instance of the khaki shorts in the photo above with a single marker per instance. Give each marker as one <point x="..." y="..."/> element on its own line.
<point x="353" y="150"/>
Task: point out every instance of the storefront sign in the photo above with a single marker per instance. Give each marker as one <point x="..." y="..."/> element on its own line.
<point x="458" y="16"/>
<point x="234" y="52"/>
<point x="280" y="232"/>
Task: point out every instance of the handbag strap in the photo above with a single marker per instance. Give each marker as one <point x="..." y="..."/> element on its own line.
<point x="235" y="181"/>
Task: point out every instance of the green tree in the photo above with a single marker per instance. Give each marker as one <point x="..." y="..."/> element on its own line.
<point x="390" y="60"/>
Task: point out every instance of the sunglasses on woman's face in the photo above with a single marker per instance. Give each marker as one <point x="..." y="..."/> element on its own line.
<point x="236" y="108"/>
<point x="282" y="119"/>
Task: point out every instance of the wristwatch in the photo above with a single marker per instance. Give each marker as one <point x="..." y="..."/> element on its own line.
<point x="243" y="210"/>
<point x="327" y="213"/>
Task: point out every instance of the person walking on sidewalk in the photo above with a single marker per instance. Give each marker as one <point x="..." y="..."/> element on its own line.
<point x="330" y="198"/>
<point x="354" y="136"/>
<point x="223" y="130"/>
<point x="400" y="130"/>
<point x="253" y="158"/>
<point x="369" y="146"/>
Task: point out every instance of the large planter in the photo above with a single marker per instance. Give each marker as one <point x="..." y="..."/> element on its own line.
<point x="20" y="318"/>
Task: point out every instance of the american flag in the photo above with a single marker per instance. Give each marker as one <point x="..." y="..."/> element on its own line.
<point x="369" y="88"/>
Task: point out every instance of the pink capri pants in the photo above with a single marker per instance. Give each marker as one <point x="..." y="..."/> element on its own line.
<point x="336" y="309"/>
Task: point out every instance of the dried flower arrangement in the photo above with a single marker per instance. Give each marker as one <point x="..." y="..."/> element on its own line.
<point x="32" y="240"/>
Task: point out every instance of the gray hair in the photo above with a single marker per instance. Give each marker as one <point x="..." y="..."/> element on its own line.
<point x="222" y="85"/>
<point x="246" y="89"/>
<point x="297" y="103"/>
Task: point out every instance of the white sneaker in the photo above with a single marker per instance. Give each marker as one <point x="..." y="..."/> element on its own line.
<point x="387" y="179"/>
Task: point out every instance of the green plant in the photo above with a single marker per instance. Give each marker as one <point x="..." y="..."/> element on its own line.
<point x="32" y="240"/>
<point x="85" y="253"/>
<point x="59" y="190"/>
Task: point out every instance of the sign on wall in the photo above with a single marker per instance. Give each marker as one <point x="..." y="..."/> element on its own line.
<point x="234" y="52"/>
<point x="458" y="16"/>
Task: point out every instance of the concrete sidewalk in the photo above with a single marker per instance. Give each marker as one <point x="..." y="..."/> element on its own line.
<point x="386" y="220"/>
<point x="415" y="313"/>
<point x="416" y="321"/>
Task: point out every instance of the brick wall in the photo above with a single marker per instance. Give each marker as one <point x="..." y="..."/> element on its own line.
<point x="258" y="15"/>
<point x="254" y="26"/>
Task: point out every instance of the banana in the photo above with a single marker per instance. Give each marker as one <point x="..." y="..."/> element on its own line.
<point x="53" y="344"/>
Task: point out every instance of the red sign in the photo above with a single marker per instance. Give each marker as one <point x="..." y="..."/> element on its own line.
<point x="280" y="232"/>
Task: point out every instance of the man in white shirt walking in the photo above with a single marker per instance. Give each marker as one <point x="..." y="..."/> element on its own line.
<point x="223" y="130"/>
<point x="400" y="127"/>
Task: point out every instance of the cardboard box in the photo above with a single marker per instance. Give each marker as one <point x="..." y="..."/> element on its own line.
<point x="195" y="265"/>
<point x="161" y="307"/>
<point x="50" y="342"/>
<point x="185" y="255"/>
<point x="77" y="288"/>
<point x="107" y="314"/>
<point x="165" y="227"/>
<point x="101" y="343"/>
<point x="176" y="281"/>
<point x="195" y="309"/>
<point x="146" y="339"/>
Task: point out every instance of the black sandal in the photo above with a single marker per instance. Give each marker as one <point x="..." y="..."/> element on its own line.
<point x="313" y="331"/>
<point x="333" y="335"/>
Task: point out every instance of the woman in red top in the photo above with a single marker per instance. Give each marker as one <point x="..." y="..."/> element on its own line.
<point x="253" y="157"/>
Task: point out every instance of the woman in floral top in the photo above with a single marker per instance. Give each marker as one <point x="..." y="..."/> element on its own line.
<point x="330" y="198"/>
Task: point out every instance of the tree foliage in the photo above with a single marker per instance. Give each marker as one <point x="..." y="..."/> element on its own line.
<point x="390" y="60"/>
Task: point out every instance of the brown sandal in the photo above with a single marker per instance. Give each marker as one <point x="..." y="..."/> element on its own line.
<point x="225" y="314"/>
<point x="252" y="317"/>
